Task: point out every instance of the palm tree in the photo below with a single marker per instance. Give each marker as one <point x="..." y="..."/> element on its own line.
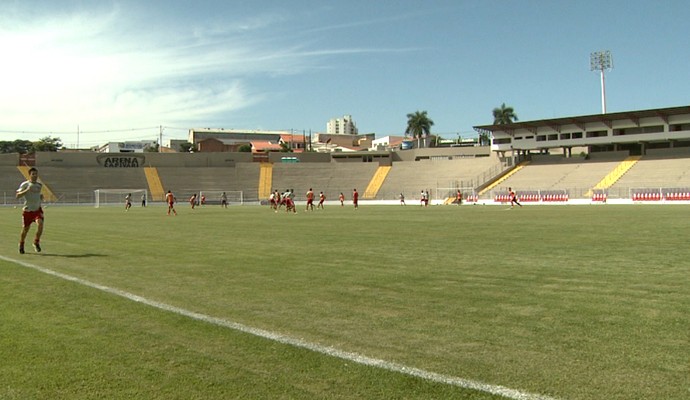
<point x="504" y="115"/>
<point x="418" y="125"/>
<point x="484" y="139"/>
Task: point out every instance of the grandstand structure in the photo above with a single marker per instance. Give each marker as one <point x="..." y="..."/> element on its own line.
<point x="635" y="132"/>
<point x="636" y="156"/>
<point x="620" y="153"/>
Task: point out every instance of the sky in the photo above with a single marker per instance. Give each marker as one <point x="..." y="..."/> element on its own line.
<point x="90" y="72"/>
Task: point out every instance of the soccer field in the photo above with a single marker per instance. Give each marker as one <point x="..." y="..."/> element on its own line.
<point x="386" y="302"/>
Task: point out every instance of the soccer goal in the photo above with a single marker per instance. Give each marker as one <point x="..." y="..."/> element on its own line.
<point x="235" y="197"/>
<point x="449" y="194"/>
<point x="111" y="197"/>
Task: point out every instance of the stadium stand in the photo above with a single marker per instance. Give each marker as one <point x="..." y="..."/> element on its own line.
<point x="549" y="179"/>
<point x="330" y="178"/>
<point x="265" y="180"/>
<point x="655" y="171"/>
<point x="612" y="177"/>
<point x="574" y="175"/>
<point x="184" y="181"/>
<point x="376" y="182"/>
<point x="74" y="185"/>
<point x="155" y="185"/>
<point x="10" y="178"/>
<point x="411" y="177"/>
<point x="504" y="177"/>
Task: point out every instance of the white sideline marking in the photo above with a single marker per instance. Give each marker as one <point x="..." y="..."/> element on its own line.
<point x="331" y="351"/>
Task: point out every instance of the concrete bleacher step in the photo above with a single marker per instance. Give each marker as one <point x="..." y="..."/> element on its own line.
<point x="265" y="180"/>
<point x="155" y="184"/>
<point x="504" y="177"/>
<point x="613" y="176"/>
<point x="376" y="182"/>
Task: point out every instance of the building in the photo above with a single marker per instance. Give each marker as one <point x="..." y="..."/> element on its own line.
<point x="230" y="140"/>
<point x="127" y="147"/>
<point x="341" y="142"/>
<point x="387" y="143"/>
<point x="342" y="126"/>
<point x="632" y="131"/>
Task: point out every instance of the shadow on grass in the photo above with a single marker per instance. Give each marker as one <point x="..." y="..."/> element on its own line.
<point x="69" y="255"/>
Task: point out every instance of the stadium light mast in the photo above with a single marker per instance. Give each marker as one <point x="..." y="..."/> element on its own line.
<point x="601" y="61"/>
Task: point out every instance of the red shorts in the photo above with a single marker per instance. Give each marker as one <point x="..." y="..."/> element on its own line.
<point x="28" y="217"/>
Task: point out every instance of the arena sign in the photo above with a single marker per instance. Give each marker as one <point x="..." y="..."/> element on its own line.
<point x="121" y="161"/>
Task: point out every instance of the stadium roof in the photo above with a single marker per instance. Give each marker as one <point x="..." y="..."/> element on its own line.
<point x="607" y="119"/>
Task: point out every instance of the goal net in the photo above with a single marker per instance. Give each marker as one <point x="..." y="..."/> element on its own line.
<point x="213" y="197"/>
<point x="449" y="194"/>
<point x="111" y="197"/>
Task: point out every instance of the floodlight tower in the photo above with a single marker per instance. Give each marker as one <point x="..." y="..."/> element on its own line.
<point x="601" y="61"/>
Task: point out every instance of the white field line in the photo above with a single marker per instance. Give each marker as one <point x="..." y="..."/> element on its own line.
<point x="278" y="337"/>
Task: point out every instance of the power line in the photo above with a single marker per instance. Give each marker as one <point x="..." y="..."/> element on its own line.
<point x="80" y="131"/>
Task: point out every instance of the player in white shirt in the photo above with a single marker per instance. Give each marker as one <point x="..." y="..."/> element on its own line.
<point x="32" y="212"/>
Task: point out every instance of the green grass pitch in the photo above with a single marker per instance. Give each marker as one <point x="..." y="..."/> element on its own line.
<point x="569" y="302"/>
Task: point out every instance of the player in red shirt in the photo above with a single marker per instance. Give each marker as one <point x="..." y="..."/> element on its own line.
<point x="289" y="202"/>
<point x="513" y="198"/>
<point x="310" y="200"/>
<point x="355" y="199"/>
<point x="322" y="198"/>
<point x="458" y="197"/>
<point x="170" y="199"/>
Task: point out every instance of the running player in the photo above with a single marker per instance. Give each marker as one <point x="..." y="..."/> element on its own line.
<point x="32" y="212"/>
<point x="513" y="198"/>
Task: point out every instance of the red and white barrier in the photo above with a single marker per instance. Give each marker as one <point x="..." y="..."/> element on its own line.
<point x="502" y="198"/>
<point x="599" y="197"/>
<point x="677" y="196"/>
<point x="559" y="197"/>
<point x="528" y="198"/>
<point x="647" y="196"/>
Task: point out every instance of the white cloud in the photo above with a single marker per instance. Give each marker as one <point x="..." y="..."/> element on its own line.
<point x="121" y="68"/>
<point x="89" y="70"/>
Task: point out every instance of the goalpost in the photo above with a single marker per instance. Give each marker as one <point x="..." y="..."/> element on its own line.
<point x="235" y="197"/>
<point x="111" y="197"/>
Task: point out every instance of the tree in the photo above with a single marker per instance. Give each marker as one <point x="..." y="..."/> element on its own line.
<point x="16" y="146"/>
<point x="285" y="147"/>
<point x="504" y="115"/>
<point x="245" y="148"/>
<point x="47" y="144"/>
<point x="152" y="149"/>
<point x="484" y="139"/>
<point x="418" y="124"/>
<point x="187" y="147"/>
